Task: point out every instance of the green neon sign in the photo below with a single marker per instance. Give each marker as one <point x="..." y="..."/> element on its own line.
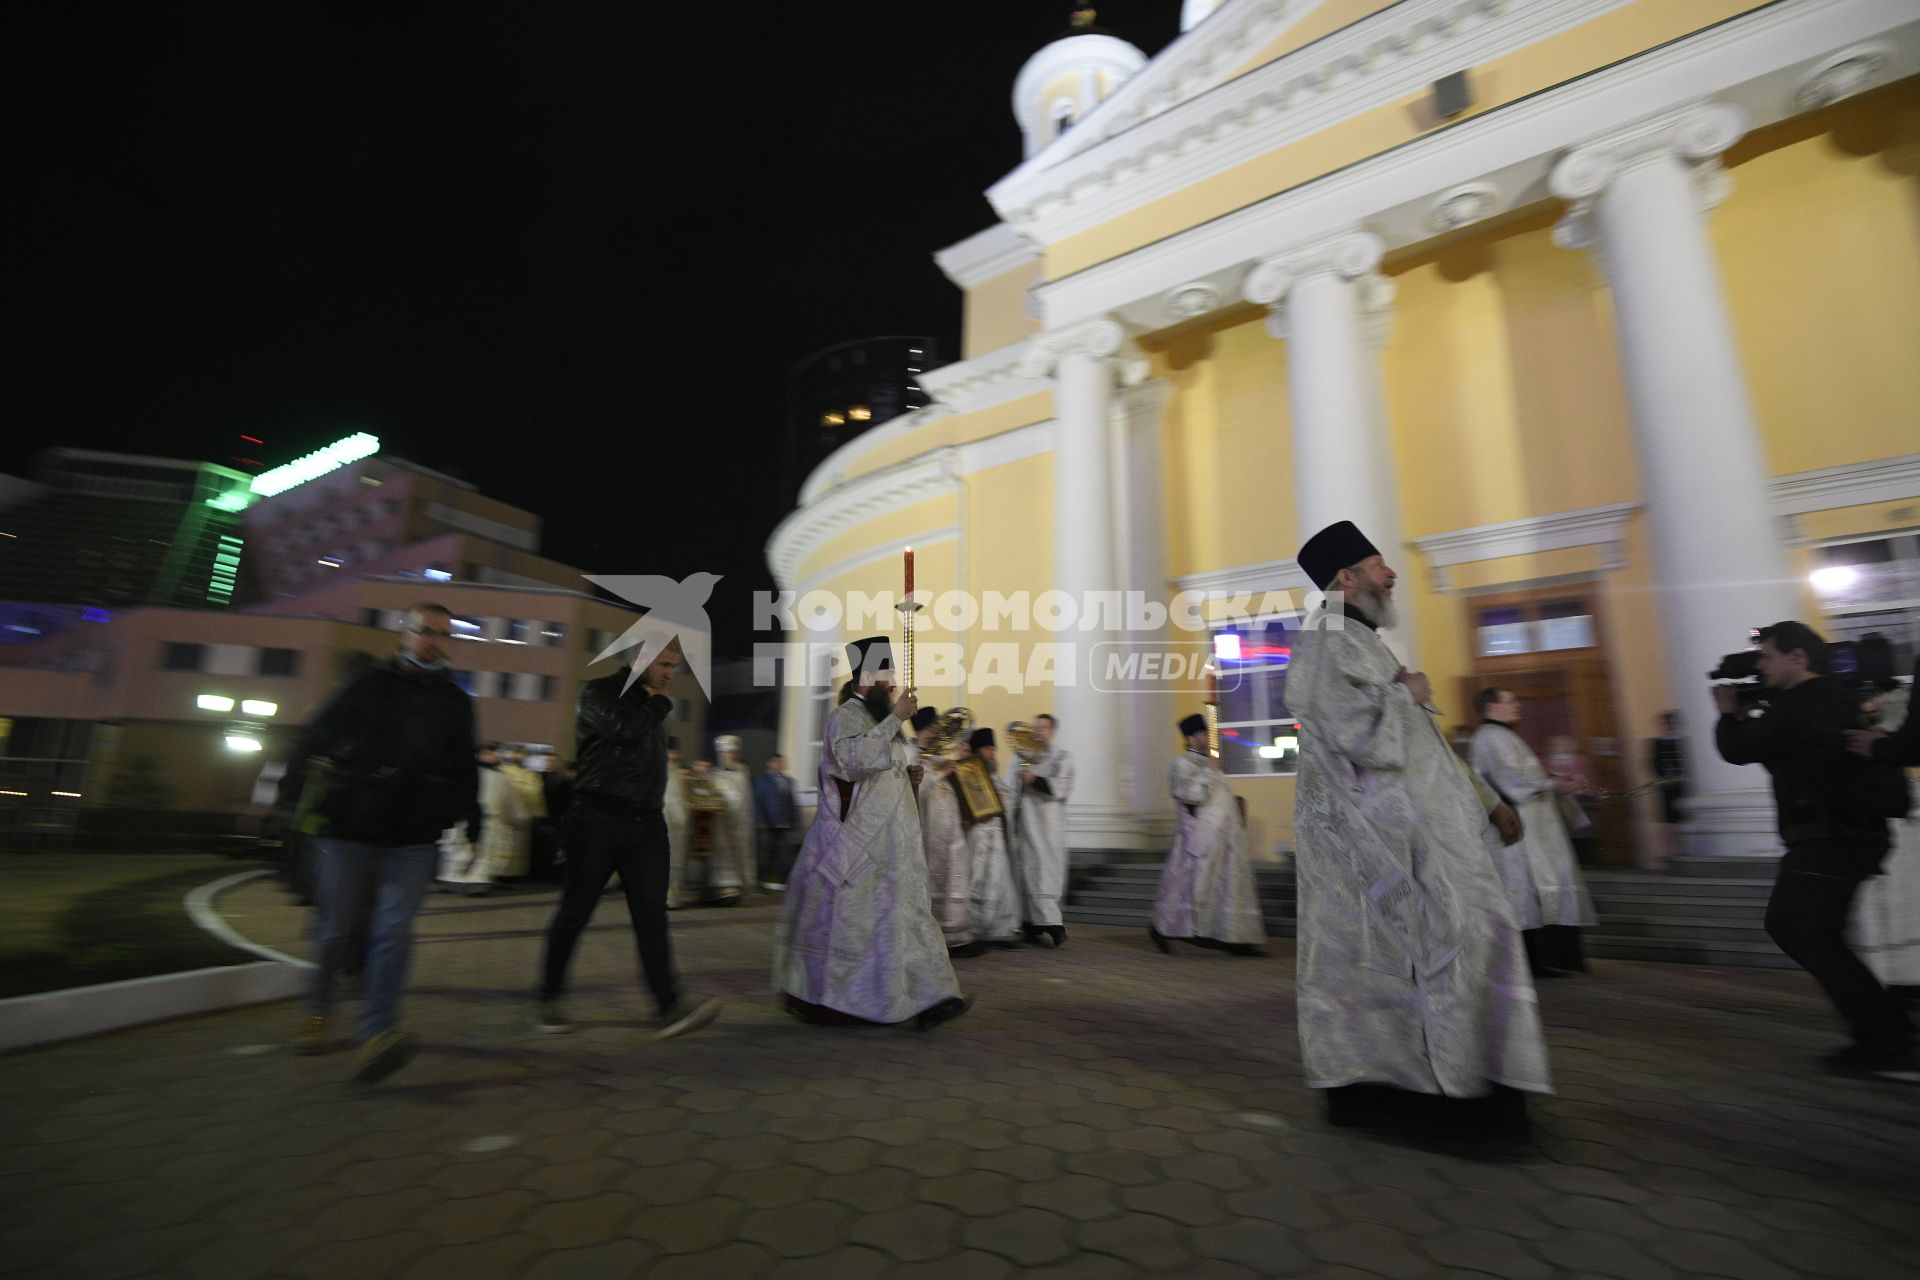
<point x="315" y="464"/>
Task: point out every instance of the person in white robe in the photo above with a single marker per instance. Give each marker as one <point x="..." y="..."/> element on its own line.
<point x="469" y="869"/>
<point x="943" y="823"/>
<point x="994" y="892"/>
<point x="857" y="942"/>
<point x="1207" y="893"/>
<point x="1886" y="912"/>
<point x="1543" y="881"/>
<point x="1046" y="784"/>
<point x="529" y="787"/>
<point x="732" y="864"/>
<point x="1411" y="978"/>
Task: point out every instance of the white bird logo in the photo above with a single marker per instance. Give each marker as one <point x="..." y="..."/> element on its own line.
<point x="675" y="611"/>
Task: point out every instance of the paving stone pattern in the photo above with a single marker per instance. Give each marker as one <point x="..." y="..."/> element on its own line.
<point x="1103" y="1112"/>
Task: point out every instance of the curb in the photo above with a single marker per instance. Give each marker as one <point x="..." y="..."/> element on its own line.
<point x="47" y="1017"/>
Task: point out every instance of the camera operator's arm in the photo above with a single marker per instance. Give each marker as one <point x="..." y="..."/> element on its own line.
<point x="1780" y="730"/>
<point x="624" y="721"/>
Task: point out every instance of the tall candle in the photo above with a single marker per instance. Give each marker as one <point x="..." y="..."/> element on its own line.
<point x="909" y="571"/>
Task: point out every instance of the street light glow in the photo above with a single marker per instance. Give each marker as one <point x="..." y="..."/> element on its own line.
<point x="240" y="742"/>
<point x="1834" y="578"/>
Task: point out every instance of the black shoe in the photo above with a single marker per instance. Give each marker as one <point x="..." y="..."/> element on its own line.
<point x="1245" y="949"/>
<point x="946" y="1011"/>
<point x="968" y="950"/>
<point x="1008" y="944"/>
<point x="685" y="1017"/>
<point x="1862" y="1063"/>
<point x="1058" y="932"/>
<point x="1031" y="934"/>
<point x="552" y="1017"/>
<point x="1160" y="941"/>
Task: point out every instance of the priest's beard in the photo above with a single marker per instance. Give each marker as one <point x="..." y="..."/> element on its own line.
<point x="1378" y="606"/>
<point x="878" y="701"/>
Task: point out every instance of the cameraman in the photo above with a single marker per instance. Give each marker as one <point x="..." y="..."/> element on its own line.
<point x="1800" y="737"/>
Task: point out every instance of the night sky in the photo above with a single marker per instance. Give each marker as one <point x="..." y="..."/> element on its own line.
<point x="567" y="252"/>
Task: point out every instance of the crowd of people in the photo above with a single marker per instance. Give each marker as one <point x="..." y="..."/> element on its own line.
<point x="1434" y="887"/>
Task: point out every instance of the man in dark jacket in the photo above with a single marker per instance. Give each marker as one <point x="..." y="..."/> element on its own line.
<point x="400" y="737"/>
<point x="616" y="823"/>
<point x="1831" y="848"/>
<point x="774" y="811"/>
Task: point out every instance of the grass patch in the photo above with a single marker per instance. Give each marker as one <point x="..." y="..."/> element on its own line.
<point x="130" y="930"/>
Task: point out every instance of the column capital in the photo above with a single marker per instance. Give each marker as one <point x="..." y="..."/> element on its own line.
<point x="1104" y="338"/>
<point x="1349" y="255"/>
<point x="1373" y="302"/>
<point x="1696" y="135"/>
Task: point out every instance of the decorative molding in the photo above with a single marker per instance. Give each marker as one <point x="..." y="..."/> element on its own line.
<point x="875" y="554"/>
<point x="1103" y="338"/>
<point x="930" y="475"/>
<point x="1751" y="60"/>
<point x="1144" y="142"/>
<point x="1466" y="204"/>
<point x="1194" y="298"/>
<point x="986" y="254"/>
<point x="986" y="380"/>
<point x="1266" y="575"/>
<point x="1841" y="76"/>
<point x="1603" y="527"/>
<point x="1857" y="484"/>
<point x="836" y="510"/>
<point x="1347" y="254"/>
<point x="1696" y="134"/>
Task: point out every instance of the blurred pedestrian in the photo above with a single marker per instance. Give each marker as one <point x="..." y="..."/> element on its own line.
<point x="401" y="739"/>
<point x="774" y="817"/>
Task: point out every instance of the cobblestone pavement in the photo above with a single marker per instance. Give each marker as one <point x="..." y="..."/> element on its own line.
<point x="1104" y="1111"/>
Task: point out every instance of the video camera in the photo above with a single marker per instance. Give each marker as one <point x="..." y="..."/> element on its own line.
<point x="1742" y="669"/>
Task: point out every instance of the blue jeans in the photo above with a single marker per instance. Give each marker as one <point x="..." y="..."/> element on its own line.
<point x="342" y="871"/>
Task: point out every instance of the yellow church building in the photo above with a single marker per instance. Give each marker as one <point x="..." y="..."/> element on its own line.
<point x="1600" y="317"/>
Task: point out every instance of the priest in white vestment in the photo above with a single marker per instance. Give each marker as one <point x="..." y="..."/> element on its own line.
<point x="1411" y="977"/>
<point x="674" y="806"/>
<point x="949" y="860"/>
<point x="994" y="891"/>
<point x="1046" y="783"/>
<point x="857" y="941"/>
<point x="1544" y="885"/>
<point x="732" y="856"/>
<point x="1207" y="893"/>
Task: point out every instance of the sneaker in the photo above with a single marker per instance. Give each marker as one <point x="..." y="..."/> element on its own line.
<point x="383" y="1055"/>
<point x="315" y="1037"/>
<point x="685" y="1017"/>
<point x="552" y="1017"/>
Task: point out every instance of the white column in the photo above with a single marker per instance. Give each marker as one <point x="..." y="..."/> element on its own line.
<point x="1640" y="201"/>
<point x="1332" y="308"/>
<point x="1085" y="362"/>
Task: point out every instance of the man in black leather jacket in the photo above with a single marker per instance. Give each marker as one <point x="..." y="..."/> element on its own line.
<point x="616" y="824"/>
<point x="1800" y="738"/>
<point x="401" y="740"/>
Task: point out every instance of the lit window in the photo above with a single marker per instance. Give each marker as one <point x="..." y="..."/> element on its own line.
<point x="1257" y="734"/>
<point x="860" y="413"/>
<point x="832" y="420"/>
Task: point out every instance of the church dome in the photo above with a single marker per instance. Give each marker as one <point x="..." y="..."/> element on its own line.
<point x="1068" y="78"/>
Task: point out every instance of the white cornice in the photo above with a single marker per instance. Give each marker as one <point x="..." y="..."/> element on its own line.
<point x="838" y="509"/>
<point x="986" y="254"/>
<point x="875" y="554"/>
<point x="1201" y="59"/>
<point x="1758" y="62"/>
<point x="1266" y="575"/>
<point x="1373" y="63"/>
<point x="1857" y="484"/>
<point x="930" y="475"/>
<point x="984" y="381"/>
<point x="1604" y="527"/>
<point x="1089" y="54"/>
